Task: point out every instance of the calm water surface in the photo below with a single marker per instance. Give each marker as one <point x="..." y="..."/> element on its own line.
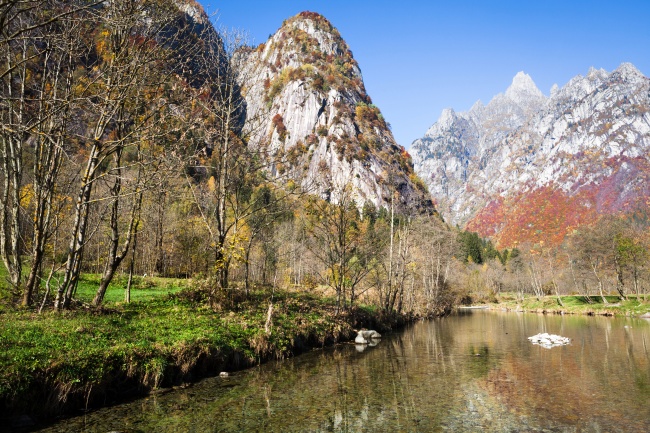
<point x="474" y="371"/>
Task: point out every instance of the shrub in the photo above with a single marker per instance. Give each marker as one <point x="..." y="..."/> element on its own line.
<point x="311" y="139"/>
<point x="278" y="124"/>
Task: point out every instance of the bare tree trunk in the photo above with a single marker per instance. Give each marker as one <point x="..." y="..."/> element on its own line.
<point x="160" y="266"/>
<point x="78" y="239"/>
<point x="620" y="286"/>
<point x="114" y="258"/>
<point x="247" y="256"/>
<point x="127" y="295"/>
<point x="600" y="283"/>
<point x="555" y="287"/>
<point x="14" y="132"/>
<point x="48" y="155"/>
<point x="535" y="280"/>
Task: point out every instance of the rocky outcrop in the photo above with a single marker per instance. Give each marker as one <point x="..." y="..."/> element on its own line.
<point x="460" y="144"/>
<point x="306" y="99"/>
<point x="528" y="168"/>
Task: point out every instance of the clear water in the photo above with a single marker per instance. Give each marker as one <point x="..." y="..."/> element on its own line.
<point x="474" y="371"/>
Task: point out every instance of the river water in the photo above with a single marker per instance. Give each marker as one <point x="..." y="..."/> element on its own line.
<point x="472" y="371"/>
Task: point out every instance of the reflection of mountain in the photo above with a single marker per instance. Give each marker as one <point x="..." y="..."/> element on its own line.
<point x="428" y="378"/>
<point x="565" y="384"/>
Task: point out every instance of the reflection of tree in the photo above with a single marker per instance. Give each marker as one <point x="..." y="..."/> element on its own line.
<point x="426" y="379"/>
<point x="567" y="384"/>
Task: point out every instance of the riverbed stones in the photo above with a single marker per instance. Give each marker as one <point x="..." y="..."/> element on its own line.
<point x="549" y="341"/>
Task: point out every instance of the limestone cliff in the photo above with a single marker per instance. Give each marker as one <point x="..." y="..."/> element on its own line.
<point x="305" y="94"/>
<point x="528" y="167"/>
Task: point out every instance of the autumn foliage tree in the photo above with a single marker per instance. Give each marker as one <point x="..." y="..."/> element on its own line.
<point x="40" y="45"/>
<point x="343" y="242"/>
<point x="121" y="98"/>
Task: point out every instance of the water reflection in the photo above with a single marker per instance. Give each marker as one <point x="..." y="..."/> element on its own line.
<point x="469" y="372"/>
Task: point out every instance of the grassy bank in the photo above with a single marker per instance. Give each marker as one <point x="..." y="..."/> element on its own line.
<point x="51" y="364"/>
<point x="574" y="305"/>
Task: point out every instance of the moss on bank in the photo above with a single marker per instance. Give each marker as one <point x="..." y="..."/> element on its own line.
<point x="52" y="364"/>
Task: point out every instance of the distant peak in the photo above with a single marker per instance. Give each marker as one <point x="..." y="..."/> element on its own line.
<point x="478" y="106"/>
<point x="323" y="40"/>
<point x="446" y="119"/>
<point x="192" y="9"/>
<point x="523" y="89"/>
<point x="447" y="115"/>
<point x="627" y="69"/>
<point x="554" y="89"/>
<point x="311" y="15"/>
<point x="596" y="74"/>
<point x="522" y="83"/>
<point x="522" y="78"/>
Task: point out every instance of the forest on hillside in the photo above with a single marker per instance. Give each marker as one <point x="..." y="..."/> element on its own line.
<point x="126" y="151"/>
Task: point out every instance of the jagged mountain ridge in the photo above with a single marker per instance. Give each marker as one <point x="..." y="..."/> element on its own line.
<point x="527" y="167"/>
<point x="306" y="91"/>
<point x="458" y="144"/>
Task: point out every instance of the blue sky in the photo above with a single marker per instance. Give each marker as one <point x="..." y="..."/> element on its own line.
<point x="418" y="57"/>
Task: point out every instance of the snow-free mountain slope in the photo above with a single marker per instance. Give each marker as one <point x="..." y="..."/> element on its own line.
<point x="305" y="90"/>
<point x="530" y="168"/>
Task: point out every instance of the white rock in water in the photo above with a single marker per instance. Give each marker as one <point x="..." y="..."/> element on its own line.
<point x="360" y="339"/>
<point x="370" y="334"/>
<point x="366" y="337"/>
<point x="549" y="340"/>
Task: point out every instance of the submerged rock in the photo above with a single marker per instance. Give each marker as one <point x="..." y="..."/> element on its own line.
<point x="548" y="341"/>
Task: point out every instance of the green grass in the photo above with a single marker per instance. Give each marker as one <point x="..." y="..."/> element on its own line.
<point x="578" y="304"/>
<point x="79" y="349"/>
<point x="142" y="288"/>
<point x="52" y="362"/>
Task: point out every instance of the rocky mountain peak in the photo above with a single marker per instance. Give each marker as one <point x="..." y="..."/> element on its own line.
<point x="628" y="72"/>
<point x="193" y="9"/>
<point x="447" y="117"/>
<point x="554" y="90"/>
<point x="318" y="27"/>
<point x="596" y="74"/>
<point x="478" y="106"/>
<point x="320" y="126"/>
<point x="523" y="87"/>
<point x="536" y="168"/>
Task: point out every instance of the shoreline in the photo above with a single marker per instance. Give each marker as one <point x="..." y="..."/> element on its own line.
<point x="575" y="305"/>
<point x="59" y="365"/>
<point x="181" y="344"/>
